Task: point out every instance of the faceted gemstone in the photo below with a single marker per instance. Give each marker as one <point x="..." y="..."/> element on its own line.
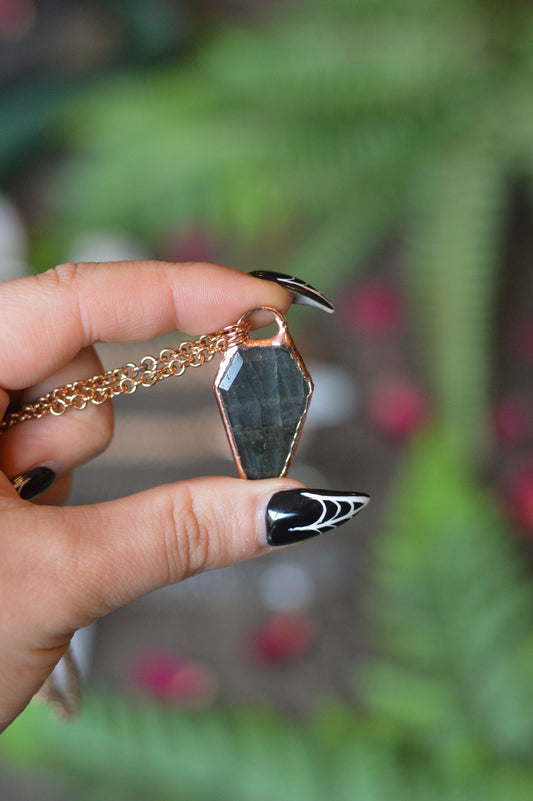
<point x="264" y="393"/>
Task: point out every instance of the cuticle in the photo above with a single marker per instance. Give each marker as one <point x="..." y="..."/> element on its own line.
<point x="261" y="521"/>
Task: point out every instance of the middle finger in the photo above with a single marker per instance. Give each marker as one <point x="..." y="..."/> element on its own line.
<point x="61" y="443"/>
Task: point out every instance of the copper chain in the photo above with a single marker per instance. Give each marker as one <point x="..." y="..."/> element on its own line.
<point x="126" y="379"/>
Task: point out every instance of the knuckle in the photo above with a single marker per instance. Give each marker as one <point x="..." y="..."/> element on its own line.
<point x="67" y="278"/>
<point x="188" y="537"/>
<point x="64" y="275"/>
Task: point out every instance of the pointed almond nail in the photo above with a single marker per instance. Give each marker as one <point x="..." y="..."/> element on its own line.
<point x="296" y="515"/>
<point x="302" y="292"/>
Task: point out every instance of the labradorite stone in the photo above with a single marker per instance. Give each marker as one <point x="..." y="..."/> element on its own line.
<point x="264" y="394"/>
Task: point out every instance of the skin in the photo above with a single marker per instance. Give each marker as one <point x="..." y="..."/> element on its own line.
<point x="63" y="568"/>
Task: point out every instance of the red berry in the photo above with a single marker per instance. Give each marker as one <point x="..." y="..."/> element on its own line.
<point x="283" y="638"/>
<point x="513" y="421"/>
<point x="373" y="309"/>
<point x="397" y="407"/>
<point x="519" y="496"/>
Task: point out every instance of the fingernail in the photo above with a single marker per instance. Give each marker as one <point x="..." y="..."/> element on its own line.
<point x="296" y="515"/>
<point x="302" y="292"/>
<point x="34" y="482"/>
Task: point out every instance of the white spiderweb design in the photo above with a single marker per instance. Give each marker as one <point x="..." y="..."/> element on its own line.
<point x="334" y="510"/>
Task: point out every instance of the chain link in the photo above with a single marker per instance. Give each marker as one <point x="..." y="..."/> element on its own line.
<point x="125" y="380"/>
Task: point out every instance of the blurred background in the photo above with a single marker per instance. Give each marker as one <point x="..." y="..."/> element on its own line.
<point x="383" y="151"/>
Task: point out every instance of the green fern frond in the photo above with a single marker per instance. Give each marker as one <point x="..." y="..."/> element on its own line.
<point x="125" y="750"/>
<point x="268" y="127"/>
<point x="346" y="236"/>
<point x="150" y="754"/>
<point x="455" y="611"/>
<point x="456" y="253"/>
<point x="334" y="68"/>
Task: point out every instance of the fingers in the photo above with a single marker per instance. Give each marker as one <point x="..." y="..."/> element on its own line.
<point x="59" y="443"/>
<point x="62" y="568"/>
<point x="86" y="561"/>
<point x="73" y="306"/>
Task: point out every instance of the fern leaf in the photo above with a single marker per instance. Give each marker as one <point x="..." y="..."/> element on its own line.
<point x="453" y="591"/>
<point x="456" y="251"/>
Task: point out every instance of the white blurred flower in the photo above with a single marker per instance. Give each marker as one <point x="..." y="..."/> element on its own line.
<point x="13" y="241"/>
<point x="335" y="397"/>
<point x="287" y="587"/>
<point x="102" y="245"/>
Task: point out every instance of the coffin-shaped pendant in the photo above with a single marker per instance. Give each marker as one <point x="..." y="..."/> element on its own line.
<point x="263" y="390"/>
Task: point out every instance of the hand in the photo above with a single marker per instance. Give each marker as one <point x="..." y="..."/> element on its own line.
<point x="62" y="568"/>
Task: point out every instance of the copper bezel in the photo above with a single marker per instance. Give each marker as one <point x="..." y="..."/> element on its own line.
<point x="280" y="340"/>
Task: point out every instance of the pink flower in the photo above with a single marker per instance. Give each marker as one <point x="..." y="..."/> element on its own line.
<point x="397" y="407"/>
<point x="282" y="638"/>
<point x="373" y="309"/>
<point x="17" y="17"/>
<point x="193" y="243"/>
<point x="172" y="678"/>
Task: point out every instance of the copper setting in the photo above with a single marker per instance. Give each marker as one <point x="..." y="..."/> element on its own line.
<point x="283" y="388"/>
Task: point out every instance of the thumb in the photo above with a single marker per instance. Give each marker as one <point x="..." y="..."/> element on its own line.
<point x="62" y="568"/>
<point x="88" y="560"/>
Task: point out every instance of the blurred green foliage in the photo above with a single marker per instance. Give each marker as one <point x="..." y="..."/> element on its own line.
<point x="328" y="128"/>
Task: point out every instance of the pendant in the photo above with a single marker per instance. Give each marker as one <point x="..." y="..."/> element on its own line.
<point x="263" y="391"/>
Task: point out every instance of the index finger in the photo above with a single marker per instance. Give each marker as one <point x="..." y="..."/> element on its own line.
<point x="46" y="319"/>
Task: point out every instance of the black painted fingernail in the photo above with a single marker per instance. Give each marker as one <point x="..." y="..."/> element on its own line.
<point x="295" y="515"/>
<point x="302" y="292"/>
<point x="34" y="482"/>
